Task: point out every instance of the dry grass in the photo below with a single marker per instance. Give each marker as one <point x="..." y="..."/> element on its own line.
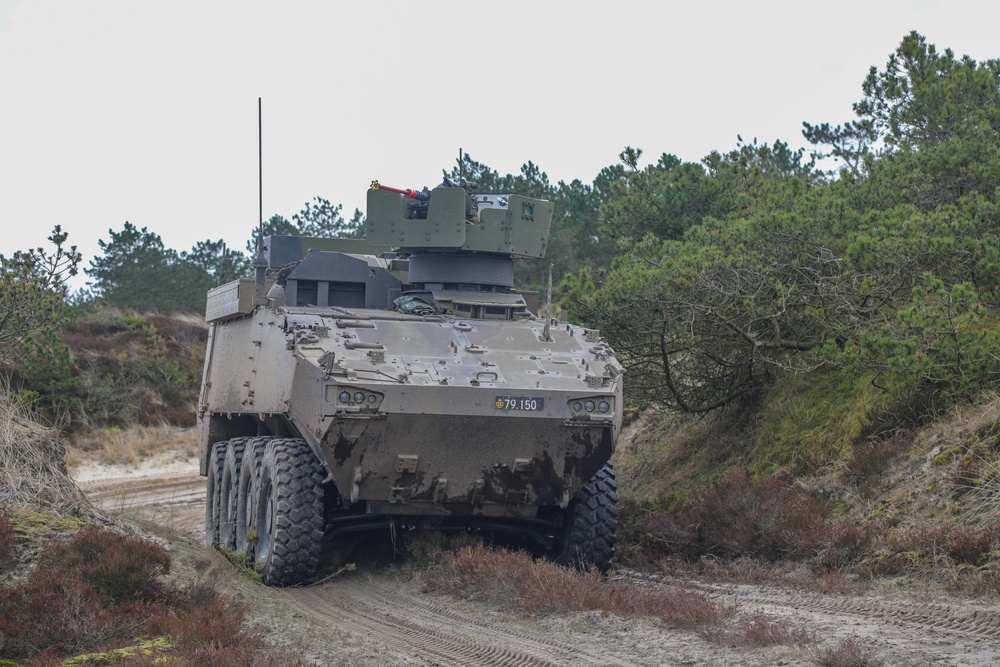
<point x="132" y="444"/>
<point x="33" y="465"/>
<point x="918" y="504"/>
<point x="966" y="443"/>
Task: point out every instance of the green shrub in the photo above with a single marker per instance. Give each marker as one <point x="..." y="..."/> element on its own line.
<point x="113" y="368"/>
<point x="47" y="377"/>
<point x="812" y="419"/>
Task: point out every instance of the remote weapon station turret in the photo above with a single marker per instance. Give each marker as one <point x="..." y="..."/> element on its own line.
<point x="401" y="382"/>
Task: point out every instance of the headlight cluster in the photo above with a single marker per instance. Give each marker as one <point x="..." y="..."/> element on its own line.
<point x="596" y="404"/>
<point x="354" y="397"/>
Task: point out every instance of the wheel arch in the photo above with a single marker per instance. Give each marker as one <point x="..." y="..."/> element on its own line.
<point x="220" y="426"/>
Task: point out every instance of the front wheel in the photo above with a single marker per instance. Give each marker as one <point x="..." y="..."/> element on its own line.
<point x="591" y="524"/>
<point x="289" y="514"/>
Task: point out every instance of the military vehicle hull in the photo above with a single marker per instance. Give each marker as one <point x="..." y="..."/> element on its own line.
<point x="435" y="420"/>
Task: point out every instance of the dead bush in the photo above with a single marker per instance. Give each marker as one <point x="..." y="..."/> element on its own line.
<point x="515" y="582"/>
<point x="847" y="653"/>
<point x="966" y="476"/>
<point x="925" y="538"/>
<point x="207" y="629"/>
<point x="967" y="544"/>
<point x="216" y="634"/>
<point x="842" y="543"/>
<point x="101" y="590"/>
<point x="758" y="631"/>
<point x="7" y="541"/>
<point x="739" y="517"/>
<point x="668" y="534"/>
<point x="60" y="616"/>
<point x="425" y="546"/>
<point x="870" y="460"/>
<point x="511" y="580"/>
<point x="216" y="657"/>
<point x="122" y="567"/>
<point x="984" y="582"/>
<point x="85" y="591"/>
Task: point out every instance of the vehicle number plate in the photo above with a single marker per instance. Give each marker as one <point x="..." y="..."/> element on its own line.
<point x="512" y="403"/>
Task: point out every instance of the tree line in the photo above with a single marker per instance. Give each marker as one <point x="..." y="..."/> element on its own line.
<point x="713" y="278"/>
<point x="753" y="263"/>
<point x="137" y="270"/>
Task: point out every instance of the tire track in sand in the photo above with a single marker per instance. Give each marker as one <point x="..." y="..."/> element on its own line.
<point x="968" y="620"/>
<point x="434" y="633"/>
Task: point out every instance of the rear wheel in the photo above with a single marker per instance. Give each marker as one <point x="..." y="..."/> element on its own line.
<point x="246" y="495"/>
<point x="289" y="514"/>
<point x="227" y="492"/>
<point x="216" y="461"/>
<point x="591" y="524"/>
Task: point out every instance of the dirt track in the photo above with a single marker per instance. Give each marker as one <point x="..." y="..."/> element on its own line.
<point x="378" y="615"/>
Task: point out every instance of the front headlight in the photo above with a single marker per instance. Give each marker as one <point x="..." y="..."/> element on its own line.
<point x="353" y="398"/>
<point x="593" y="405"/>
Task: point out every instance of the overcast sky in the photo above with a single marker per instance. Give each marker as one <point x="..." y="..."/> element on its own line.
<point x="147" y="111"/>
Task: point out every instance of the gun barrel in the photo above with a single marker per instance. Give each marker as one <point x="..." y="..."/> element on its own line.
<point x="408" y="193"/>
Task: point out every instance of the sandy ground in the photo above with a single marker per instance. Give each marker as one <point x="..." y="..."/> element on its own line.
<point x="379" y="615"/>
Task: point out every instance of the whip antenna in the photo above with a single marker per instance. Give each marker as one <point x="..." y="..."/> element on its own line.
<point x="260" y="171"/>
<point x="260" y="261"/>
<point x="222" y="266"/>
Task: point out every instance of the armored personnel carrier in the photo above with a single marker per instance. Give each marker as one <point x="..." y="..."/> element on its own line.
<point x="401" y="382"/>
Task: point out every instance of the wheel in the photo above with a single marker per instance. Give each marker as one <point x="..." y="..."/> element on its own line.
<point x="591" y="524"/>
<point x="246" y="493"/>
<point x="227" y="492"/>
<point x="289" y="514"/>
<point x="216" y="460"/>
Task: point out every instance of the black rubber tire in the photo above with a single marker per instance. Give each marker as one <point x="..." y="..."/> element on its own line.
<point x="591" y="524"/>
<point x="227" y="492"/>
<point x="289" y="514"/>
<point x="246" y="494"/>
<point x="216" y="460"/>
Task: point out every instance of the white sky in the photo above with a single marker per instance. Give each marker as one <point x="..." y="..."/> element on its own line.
<point x="147" y="112"/>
